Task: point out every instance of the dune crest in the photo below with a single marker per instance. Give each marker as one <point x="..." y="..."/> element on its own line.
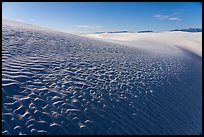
<point x="162" y="42"/>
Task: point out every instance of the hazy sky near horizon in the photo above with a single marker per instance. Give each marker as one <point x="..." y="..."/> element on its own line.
<point x="88" y="17"/>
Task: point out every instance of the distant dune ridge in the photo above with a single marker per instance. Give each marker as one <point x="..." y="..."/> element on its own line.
<point x="59" y="83"/>
<point x="160" y="40"/>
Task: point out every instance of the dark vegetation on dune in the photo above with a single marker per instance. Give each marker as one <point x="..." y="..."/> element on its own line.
<point x="189" y="30"/>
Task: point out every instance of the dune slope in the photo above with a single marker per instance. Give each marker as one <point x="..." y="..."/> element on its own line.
<point x="57" y="83"/>
<point x="162" y="42"/>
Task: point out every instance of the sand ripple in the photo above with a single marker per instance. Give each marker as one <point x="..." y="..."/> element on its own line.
<point x="55" y="83"/>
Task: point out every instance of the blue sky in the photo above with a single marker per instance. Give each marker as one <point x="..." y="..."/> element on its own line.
<point x="88" y="17"/>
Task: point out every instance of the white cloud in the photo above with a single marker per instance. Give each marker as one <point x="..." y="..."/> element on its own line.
<point x="161" y="17"/>
<point x="171" y="17"/>
<point x="175" y="18"/>
<point x="89" y="26"/>
<point x="176" y="12"/>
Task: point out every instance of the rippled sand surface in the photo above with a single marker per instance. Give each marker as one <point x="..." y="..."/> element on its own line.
<point x="56" y="83"/>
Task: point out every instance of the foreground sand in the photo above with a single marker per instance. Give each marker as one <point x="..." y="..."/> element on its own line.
<point x="57" y="83"/>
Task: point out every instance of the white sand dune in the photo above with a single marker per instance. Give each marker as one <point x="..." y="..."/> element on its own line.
<point x="58" y="83"/>
<point x="163" y="42"/>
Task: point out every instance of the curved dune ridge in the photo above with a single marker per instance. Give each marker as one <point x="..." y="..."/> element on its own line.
<point x="164" y="42"/>
<point x="58" y="83"/>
